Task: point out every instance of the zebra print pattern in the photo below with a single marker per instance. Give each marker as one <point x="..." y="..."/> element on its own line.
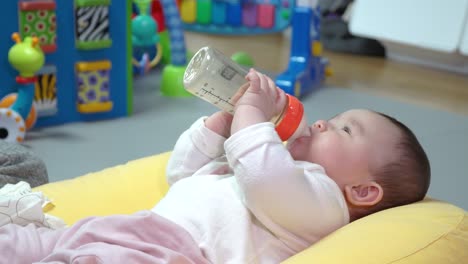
<point x="45" y="95"/>
<point x="92" y="23"/>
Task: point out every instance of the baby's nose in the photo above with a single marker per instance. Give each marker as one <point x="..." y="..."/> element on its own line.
<point x="320" y="125"/>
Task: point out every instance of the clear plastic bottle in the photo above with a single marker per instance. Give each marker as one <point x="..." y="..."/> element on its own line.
<point x="220" y="81"/>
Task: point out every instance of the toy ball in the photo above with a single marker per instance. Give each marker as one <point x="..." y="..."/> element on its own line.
<point x="243" y="59"/>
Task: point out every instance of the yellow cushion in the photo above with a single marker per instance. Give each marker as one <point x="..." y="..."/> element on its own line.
<point x="426" y="232"/>
<point x="122" y="189"/>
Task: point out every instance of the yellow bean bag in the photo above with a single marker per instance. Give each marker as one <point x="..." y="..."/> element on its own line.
<point x="426" y="232"/>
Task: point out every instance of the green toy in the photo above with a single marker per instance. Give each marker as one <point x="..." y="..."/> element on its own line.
<point x="143" y="5"/>
<point x="26" y="56"/>
<point x="243" y="59"/>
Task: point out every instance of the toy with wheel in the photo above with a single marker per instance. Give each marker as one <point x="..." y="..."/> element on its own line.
<point x="8" y="100"/>
<point x="27" y="58"/>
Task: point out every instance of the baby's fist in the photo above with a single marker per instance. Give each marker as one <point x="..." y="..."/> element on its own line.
<point x="220" y="123"/>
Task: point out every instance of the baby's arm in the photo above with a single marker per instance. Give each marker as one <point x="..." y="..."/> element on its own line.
<point x="294" y="200"/>
<point x="198" y="145"/>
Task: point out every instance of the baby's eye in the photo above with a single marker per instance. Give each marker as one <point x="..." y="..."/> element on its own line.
<point x="347" y="129"/>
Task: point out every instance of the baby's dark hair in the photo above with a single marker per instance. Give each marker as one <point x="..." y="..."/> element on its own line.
<point x="404" y="180"/>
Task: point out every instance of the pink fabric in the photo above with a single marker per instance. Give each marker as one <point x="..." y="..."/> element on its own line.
<point x="143" y="237"/>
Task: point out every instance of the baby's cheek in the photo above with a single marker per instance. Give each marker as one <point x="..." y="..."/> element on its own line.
<point x="329" y="154"/>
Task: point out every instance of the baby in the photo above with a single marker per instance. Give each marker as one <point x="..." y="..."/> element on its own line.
<point x="242" y="196"/>
<point x="246" y="198"/>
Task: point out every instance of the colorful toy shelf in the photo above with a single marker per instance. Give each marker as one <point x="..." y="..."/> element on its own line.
<point x="236" y="17"/>
<point x="86" y="74"/>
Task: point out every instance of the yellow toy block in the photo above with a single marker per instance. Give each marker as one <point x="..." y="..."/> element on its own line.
<point x="188" y="11"/>
<point x="317" y="48"/>
<point x="93" y="66"/>
<point x="95" y="107"/>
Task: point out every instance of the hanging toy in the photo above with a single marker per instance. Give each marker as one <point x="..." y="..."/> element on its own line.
<point x="145" y="38"/>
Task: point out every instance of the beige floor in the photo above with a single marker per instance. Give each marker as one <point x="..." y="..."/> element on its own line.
<point x="404" y="82"/>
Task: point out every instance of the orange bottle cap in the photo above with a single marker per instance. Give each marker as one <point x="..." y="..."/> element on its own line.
<point x="292" y="118"/>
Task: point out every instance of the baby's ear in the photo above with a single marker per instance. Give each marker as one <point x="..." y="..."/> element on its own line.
<point x="364" y="194"/>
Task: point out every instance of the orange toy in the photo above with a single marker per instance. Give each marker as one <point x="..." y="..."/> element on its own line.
<point x="8" y="101"/>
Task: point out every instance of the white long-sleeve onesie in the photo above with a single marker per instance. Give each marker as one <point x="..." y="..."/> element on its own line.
<point x="249" y="201"/>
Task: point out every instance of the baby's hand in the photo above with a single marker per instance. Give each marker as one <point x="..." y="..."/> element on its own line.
<point x="263" y="94"/>
<point x="220" y="123"/>
<point x="260" y="103"/>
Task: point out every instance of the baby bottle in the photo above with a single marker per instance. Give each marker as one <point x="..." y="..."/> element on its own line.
<point x="220" y="81"/>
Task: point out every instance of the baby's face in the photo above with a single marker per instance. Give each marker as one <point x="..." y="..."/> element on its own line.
<point x="349" y="145"/>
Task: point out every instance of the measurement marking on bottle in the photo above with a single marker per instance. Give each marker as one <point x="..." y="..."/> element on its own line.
<point x="216" y="99"/>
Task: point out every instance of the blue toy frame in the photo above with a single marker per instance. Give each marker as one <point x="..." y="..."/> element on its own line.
<point x="307" y="68"/>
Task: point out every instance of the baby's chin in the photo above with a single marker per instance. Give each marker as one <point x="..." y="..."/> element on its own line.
<point x="291" y="143"/>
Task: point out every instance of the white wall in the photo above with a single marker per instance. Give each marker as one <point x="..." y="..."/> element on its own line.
<point x="404" y="26"/>
<point x="464" y="40"/>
